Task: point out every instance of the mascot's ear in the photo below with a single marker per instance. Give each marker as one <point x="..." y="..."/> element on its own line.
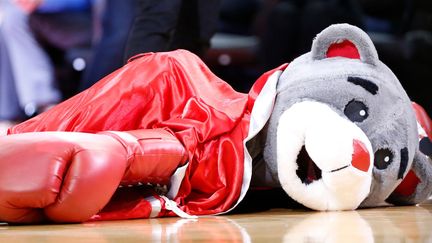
<point x="344" y="40"/>
<point x="416" y="187"/>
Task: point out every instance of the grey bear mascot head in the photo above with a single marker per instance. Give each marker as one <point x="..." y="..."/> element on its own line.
<point x="343" y="133"/>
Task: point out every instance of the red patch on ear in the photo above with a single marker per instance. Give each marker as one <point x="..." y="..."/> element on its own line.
<point x="344" y="49"/>
<point x="408" y="185"/>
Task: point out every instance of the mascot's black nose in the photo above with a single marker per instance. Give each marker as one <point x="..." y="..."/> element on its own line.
<point x="361" y="156"/>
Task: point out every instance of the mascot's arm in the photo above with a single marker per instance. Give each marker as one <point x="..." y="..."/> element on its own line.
<point x="71" y="176"/>
<point x="416" y="187"/>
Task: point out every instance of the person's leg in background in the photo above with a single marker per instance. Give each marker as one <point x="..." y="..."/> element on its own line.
<point x="9" y="105"/>
<point x="31" y="67"/>
<point x="196" y="25"/>
<point x="117" y="18"/>
<point x="153" y="27"/>
<point x="279" y="30"/>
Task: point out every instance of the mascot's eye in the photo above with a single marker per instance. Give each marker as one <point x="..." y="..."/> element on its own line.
<point x="356" y="111"/>
<point x="426" y="146"/>
<point x="383" y="158"/>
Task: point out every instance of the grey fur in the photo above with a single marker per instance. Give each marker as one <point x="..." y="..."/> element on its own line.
<point x="391" y="123"/>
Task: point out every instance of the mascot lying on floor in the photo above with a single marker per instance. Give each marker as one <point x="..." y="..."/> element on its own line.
<point x="163" y="136"/>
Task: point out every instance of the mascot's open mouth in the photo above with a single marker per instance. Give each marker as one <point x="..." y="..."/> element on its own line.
<point x="307" y="170"/>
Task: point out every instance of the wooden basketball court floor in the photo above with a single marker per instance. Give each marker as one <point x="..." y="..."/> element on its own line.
<point x="386" y="224"/>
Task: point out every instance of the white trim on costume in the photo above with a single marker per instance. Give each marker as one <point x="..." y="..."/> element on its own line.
<point x="260" y="114"/>
<point x="156" y="206"/>
<point x="176" y="180"/>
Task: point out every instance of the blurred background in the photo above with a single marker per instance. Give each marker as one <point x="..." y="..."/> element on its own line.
<point x="84" y="40"/>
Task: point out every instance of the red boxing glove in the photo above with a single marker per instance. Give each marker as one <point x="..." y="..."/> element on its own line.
<point x="154" y="154"/>
<point x="70" y="176"/>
